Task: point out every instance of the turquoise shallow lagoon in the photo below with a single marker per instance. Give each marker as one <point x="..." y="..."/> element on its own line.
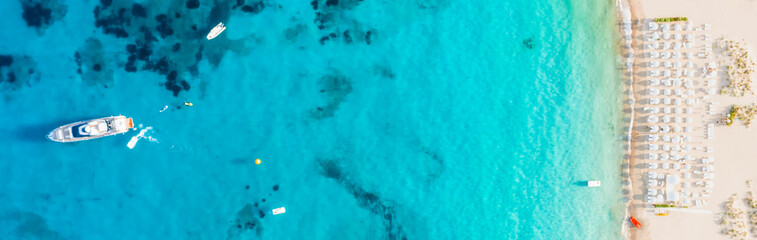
<point x="420" y="119"/>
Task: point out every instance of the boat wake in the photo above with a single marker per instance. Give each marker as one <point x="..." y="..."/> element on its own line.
<point x="133" y="142"/>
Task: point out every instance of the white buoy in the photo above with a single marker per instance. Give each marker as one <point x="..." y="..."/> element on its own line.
<point x="594" y="183"/>
<point x="278" y="211"/>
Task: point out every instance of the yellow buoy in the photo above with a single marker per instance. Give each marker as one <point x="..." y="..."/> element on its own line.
<point x="257" y="161"/>
<point x="189" y="104"/>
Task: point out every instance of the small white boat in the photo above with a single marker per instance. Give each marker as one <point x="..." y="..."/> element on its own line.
<point x="278" y="211"/>
<point x="594" y="183"/>
<point x="91" y="129"/>
<point x="217" y="30"/>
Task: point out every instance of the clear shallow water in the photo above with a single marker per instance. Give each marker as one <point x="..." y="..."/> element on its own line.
<point x="449" y="120"/>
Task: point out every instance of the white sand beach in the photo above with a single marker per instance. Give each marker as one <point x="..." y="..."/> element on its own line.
<point x="730" y="150"/>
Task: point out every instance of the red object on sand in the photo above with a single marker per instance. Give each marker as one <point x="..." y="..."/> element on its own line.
<point x="635" y="222"/>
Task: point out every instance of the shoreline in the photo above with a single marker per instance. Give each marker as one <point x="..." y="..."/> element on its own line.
<point x="627" y="23"/>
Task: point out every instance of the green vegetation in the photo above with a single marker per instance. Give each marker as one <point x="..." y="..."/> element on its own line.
<point x="664" y="205"/>
<point x="739" y="69"/>
<point x="744" y="113"/>
<point x="671" y="19"/>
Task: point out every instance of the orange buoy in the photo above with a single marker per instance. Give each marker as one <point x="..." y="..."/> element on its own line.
<point x="257" y="161"/>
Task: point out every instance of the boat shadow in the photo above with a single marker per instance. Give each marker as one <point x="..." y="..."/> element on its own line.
<point x="581" y="183"/>
<point x="38" y="132"/>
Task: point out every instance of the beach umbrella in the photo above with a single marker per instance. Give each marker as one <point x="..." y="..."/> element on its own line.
<point x="677" y="27"/>
<point x="689" y="84"/>
<point x="654" y="110"/>
<point x="712" y="65"/>
<point x="653" y="147"/>
<point x="676" y="166"/>
<point x="654" y="64"/>
<point x="688" y="157"/>
<point x="678" y="101"/>
<point x="677" y="128"/>
<point x="652" y="175"/>
<point x="656" y="44"/>
<point x="654" y="101"/>
<point x="654" y="73"/>
<point x="676" y="139"/>
<point x="666" y="101"/>
<point x="689" y="73"/>
<point x="690" y="92"/>
<point x="666" y="36"/>
<point x="666" y="45"/>
<point x="659" y="199"/>
<point x="666" y="73"/>
<point x="666" y="64"/>
<point x="687" y="129"/>
<point x="664" y="166"/>
<point x="666" y="110"/>
<point x="708" y="168"/>
<point x="665" y="156"/>
<point x="653" y="138"/>
<point x="655" y="35"/>
<point x="678" y="110"/>
<point x="689" y="55"/>
<point x="677" y="36"/>
<point x="679" y="73"/>
<point x="709" y="184"/>
<point x="665" y="55"/>
<point x="676" y="55"/>
<point x="654" y="54"/>
<point x="688" y="36"/>
<point x="711" y="91"/>
<point x="689" y="101"/>
<point x="665" y="27"/>
<point x="653" y="156"/>
<point x="688" y="45"/>
<point x="651" y="191"/>
<point x="665" y="138"/>
<point x="687" y="167"/>
<point x="677" y="82"/>
<point x="689" y="65"/>
<point x="654" y="128"/>
<point x="688" y="27"/>
<point x="653" y="26"/>
<point x="677" y="64"/>
<point x="677" y="45"/>
<point x="665" y="128"/>
<point x="653" y="91"/>
<point x="654" y="82"/>
<point x="686" y="174"/>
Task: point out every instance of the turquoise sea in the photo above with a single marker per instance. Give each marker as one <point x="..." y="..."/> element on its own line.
<point x="418" y="119"/>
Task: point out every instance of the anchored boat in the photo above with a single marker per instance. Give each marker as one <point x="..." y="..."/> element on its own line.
<point x="91" y="129"/>
<point x="217" y="30"/>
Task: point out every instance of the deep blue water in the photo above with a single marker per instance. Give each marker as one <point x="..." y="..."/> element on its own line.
<point x="420" y="119"/>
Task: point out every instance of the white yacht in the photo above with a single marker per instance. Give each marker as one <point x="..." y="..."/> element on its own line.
<point x="91" y="129"/>
<point x="217" y="30"/>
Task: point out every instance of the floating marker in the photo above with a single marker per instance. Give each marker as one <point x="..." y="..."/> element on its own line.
<point x="257" y="161"/>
